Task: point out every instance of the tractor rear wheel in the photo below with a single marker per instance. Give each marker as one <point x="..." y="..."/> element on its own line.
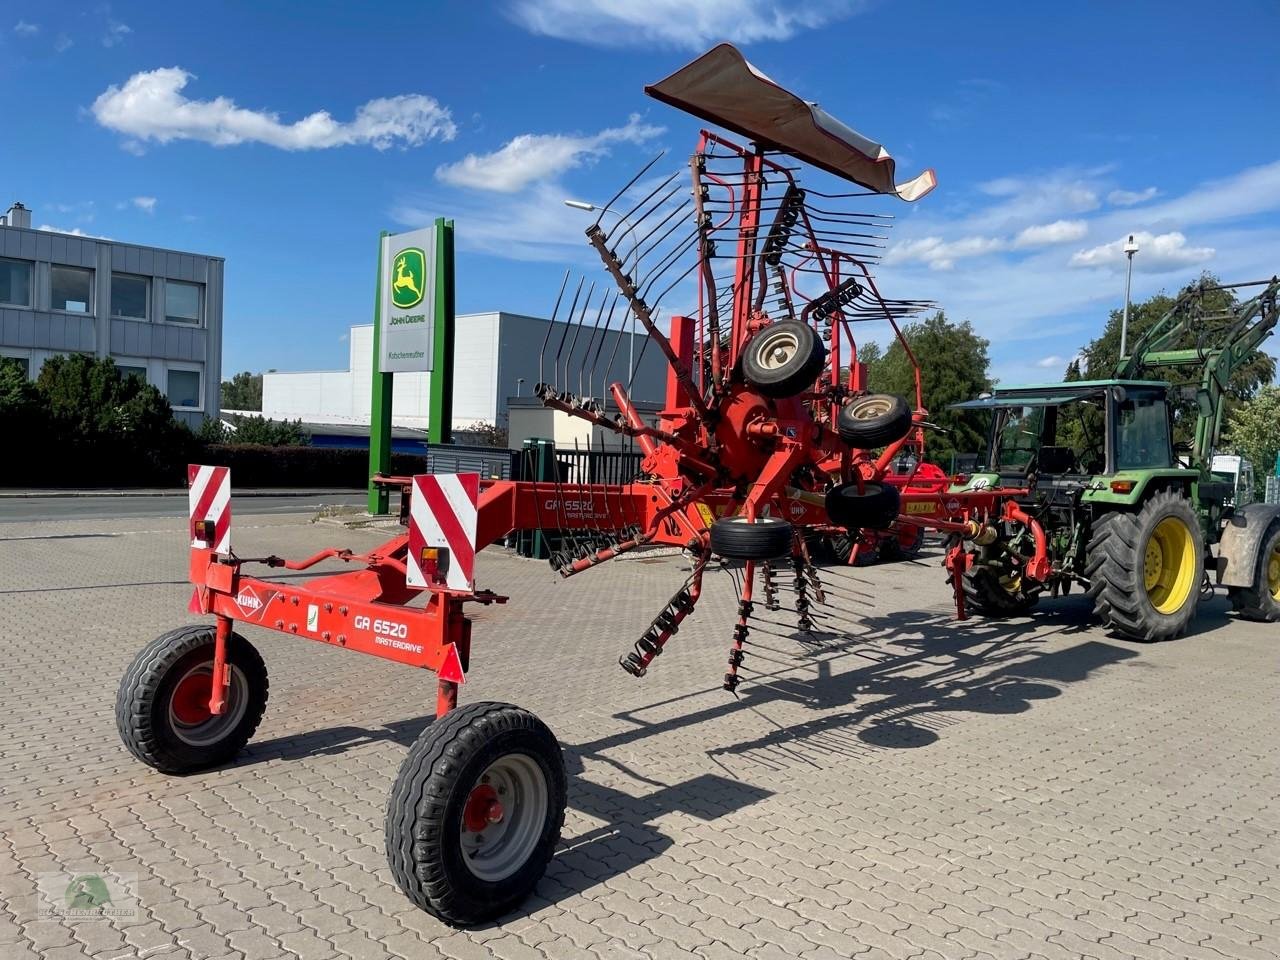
<point x="162" y="708"/>
<point x="783" y="359"/>
<point x="765" y="538"/>
<point x="874" y="507"/>
<point x="475" y="813"/>
<point x="875" y="420"/>
<point x="996" y="594"/>
<point x="1145" y="568"/>
<point x="1262" y="600"/>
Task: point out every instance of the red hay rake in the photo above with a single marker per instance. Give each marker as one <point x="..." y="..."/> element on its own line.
<point x="767" y="435"/>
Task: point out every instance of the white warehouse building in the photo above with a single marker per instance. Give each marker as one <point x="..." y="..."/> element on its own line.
<point x="495" y="357"/>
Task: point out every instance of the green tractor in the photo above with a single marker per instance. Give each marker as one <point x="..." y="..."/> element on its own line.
<point x="1102" y="497"/>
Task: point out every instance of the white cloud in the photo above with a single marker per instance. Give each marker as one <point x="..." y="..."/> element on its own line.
<point x="942" y="254"/>
<point x="1128" y="198"/>
<point x="115" y="33"/>
<point x="676" y="23"/>
<point x="24" y="29"/>
<point x="1042" y="235"/>
<point x="74" y="231"/>
<point x="1156" y="254"/>
<point x="1051" y="361"/>
<point x="145" y="204"/>
<point x="531" y="157"/>
<point x="150" y="106"/>
<point x="62" y="43"/>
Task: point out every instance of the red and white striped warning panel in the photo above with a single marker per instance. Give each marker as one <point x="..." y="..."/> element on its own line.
<point x="442" y="530"/>
<point x="210" y="506"/>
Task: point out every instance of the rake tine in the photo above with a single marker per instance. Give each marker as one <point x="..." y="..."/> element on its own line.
<point x="595" y="359"/>
<point x="617" y="342"/>
<point x="628" y="185"/>
<point x="576" y="328"/>
<point x="640" y="241"/>
<point x="588" y="397"/>
<point x="627" y="217"/>
<point x="550" y="326"/>
<point x="564" y="333"/>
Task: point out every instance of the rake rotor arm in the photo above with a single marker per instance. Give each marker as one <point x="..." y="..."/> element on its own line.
<point x="641" y="310"/>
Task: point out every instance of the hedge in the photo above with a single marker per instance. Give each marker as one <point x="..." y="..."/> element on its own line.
<point x="259" y="466"/>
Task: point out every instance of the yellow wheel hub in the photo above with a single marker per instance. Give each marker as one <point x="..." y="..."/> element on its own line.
<point x="1169" y="565"/>
<point x="1273" y="572"/>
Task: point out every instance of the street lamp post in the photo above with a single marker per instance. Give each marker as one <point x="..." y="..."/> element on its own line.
<point x="1130" y="248"/>
<point x="631" y="345"/>
<point x="519" y="385"/>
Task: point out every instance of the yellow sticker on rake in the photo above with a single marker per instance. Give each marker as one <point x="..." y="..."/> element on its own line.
<point x="922" y="506"/>
<point x="705" y="513"/>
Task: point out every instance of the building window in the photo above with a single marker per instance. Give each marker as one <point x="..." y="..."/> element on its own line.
<point x="15" y="283"/>
<point x="132" y="370"/>
<point x="181" y="302"/>
<point x="128" y="297"/>
<point x="184" y="389"/>
<point x="70" y="289"/>
<point x="22" y="363"/>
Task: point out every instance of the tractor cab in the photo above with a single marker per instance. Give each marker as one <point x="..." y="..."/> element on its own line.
<point x="1072" y="437"/>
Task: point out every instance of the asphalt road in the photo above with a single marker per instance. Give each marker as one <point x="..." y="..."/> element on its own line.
<point x="117" y="507"/>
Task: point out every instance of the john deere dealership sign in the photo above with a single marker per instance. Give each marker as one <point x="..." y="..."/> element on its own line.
<point x="407" y="316"/>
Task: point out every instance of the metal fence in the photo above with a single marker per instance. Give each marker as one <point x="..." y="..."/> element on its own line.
<point x="1273" y="490"/>
<point x="620" y="465"/>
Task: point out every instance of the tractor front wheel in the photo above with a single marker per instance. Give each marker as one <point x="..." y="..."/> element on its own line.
<point x="1145" y="568"/>
<point x="475" y="812"/>
<point x="162" y="708"/>
<point x="1262" y="600"/>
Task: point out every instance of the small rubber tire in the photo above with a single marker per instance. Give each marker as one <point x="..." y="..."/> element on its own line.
<point x="429" y="800"/>
<point x="737" y="538"/>
<point x="874" y="508"/>
<point x="784" y="359"/>
<point x="1115" y="568"/>
<point x="148" y="702"/>
<point x="985" y="595"/>
<point x="874" y="420"/>
<point x="1261" y="601"/>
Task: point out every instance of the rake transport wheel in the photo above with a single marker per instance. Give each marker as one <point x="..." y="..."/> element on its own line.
<point x="995" y="593"/>
<point x="874" y="507"/>
<point x="765" y="538"/>
<point x="876" y="420"/>
<point x="1262" y="600"/>
<point x="1145" y="568"/>
<point x="162" y="708"/>
<point x="475" y="813"/>
<point x="783" y="359"/>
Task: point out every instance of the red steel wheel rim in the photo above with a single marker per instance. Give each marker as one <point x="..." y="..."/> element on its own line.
<point x="190" y="703"/>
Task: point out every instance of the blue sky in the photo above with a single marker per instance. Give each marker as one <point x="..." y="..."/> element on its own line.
<point x="285" y="136"/>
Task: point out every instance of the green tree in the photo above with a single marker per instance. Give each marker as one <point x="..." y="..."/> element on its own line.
<point x="121" y="428"/>
<point x="953" y="367"/>
<point x="242" y="392"/>
<point x="271" y="433"/>
<point x="1252" y="432"/>
<point x="1102" y="355"/>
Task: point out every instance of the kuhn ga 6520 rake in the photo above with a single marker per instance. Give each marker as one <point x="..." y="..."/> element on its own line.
<point x="765" y="433"/>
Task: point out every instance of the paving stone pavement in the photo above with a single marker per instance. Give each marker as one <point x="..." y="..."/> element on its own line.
<point x="897" y="787"/>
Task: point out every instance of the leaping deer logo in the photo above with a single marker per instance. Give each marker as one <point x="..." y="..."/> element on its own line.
<point x="407" y="284"/>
